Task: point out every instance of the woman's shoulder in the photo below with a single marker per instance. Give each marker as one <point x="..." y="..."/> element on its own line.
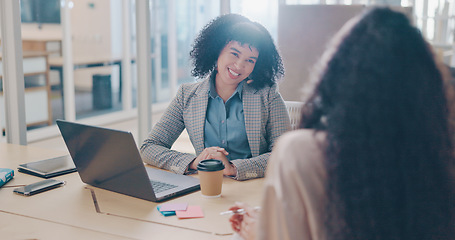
<point x="193" y="87"/>
<point x="296" y="175"/>
<point x="194" y="84"/>
<point x="267" y="92"/>
<point x="300" y="148"/>
<point x="266" y="88"/>
<point x="309" y="138"/>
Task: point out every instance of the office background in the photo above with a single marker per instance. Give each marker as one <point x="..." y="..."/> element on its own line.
<point x="106" y="61"/>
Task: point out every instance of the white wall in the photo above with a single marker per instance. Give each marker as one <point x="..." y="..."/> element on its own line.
<point x="303" y="33"/>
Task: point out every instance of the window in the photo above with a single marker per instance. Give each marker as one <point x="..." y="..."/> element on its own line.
<point x="40" y="11"/>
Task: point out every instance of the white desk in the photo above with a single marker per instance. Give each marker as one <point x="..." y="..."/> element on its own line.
<point x="71" y="212"/>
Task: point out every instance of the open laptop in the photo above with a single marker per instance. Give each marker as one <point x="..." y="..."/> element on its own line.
<point x="110" y="159"/>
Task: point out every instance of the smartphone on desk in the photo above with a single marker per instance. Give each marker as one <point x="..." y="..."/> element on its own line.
<point x="38" y="187"/>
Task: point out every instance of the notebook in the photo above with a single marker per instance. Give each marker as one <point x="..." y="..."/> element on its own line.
<point x="48" y="168"/>
<point x="109" y="159"/>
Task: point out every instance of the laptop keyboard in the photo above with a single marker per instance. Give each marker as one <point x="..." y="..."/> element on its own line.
<point x="161" y="186"/>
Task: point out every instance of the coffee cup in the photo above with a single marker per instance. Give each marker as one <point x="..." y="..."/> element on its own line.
<point x="211" y="177"/>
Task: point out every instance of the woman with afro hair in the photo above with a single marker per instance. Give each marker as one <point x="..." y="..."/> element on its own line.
<point x="374" y="156"/>
<point x="235" y="113"/>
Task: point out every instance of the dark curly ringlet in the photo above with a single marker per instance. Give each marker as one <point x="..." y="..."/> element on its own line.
<point x="233" y="27"/>
<point x="381" y="99"/>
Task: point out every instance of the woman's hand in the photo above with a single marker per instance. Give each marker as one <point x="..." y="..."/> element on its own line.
<point x="244" y="224"/>
<point x="229" y="169"/>
<point x="215" y="153"/>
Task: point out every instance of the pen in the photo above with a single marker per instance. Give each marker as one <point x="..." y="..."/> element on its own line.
<point x="238" y="211"/>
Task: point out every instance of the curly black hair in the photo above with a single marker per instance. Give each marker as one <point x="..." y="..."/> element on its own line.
<point x="234" y="27"/>
<point x="381" y="99"/>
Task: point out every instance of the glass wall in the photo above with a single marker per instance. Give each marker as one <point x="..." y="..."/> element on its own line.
<point x="262" y="11"/>
<point x="95" y="55"/>
<point x="189" y="17"/>
<point x="192" y="16"/>
<point x="435" y="18"/>
<point x="96" y="51"/>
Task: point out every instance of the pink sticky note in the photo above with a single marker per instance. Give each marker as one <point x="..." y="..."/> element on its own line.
<point x="191" y="212"/>
<point x="173" y="207"/>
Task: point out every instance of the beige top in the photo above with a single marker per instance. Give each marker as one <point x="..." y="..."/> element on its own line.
<point x="293" y="198"/>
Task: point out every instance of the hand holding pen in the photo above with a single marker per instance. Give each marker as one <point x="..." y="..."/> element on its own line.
<point x="243" y="219"/>
<point x="238" y="211"/>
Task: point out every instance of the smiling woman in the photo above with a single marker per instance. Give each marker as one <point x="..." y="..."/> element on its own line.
<point x="235" y="63"/>
<point x="236" y="113"/>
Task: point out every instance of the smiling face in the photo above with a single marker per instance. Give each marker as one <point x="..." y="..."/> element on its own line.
<point x="235" y="63"/>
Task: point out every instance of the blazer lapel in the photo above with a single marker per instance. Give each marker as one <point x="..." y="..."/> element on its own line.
<point x="252" y="111"/>
<point x="199" y="110"/>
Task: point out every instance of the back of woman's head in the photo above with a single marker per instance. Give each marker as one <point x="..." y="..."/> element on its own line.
<point x="382" y="101"/>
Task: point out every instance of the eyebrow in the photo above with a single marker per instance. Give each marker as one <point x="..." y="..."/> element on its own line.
<point x="236" y="50"/>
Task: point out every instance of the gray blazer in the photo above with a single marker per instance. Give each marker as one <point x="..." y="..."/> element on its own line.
<point x="266" y="118"/>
